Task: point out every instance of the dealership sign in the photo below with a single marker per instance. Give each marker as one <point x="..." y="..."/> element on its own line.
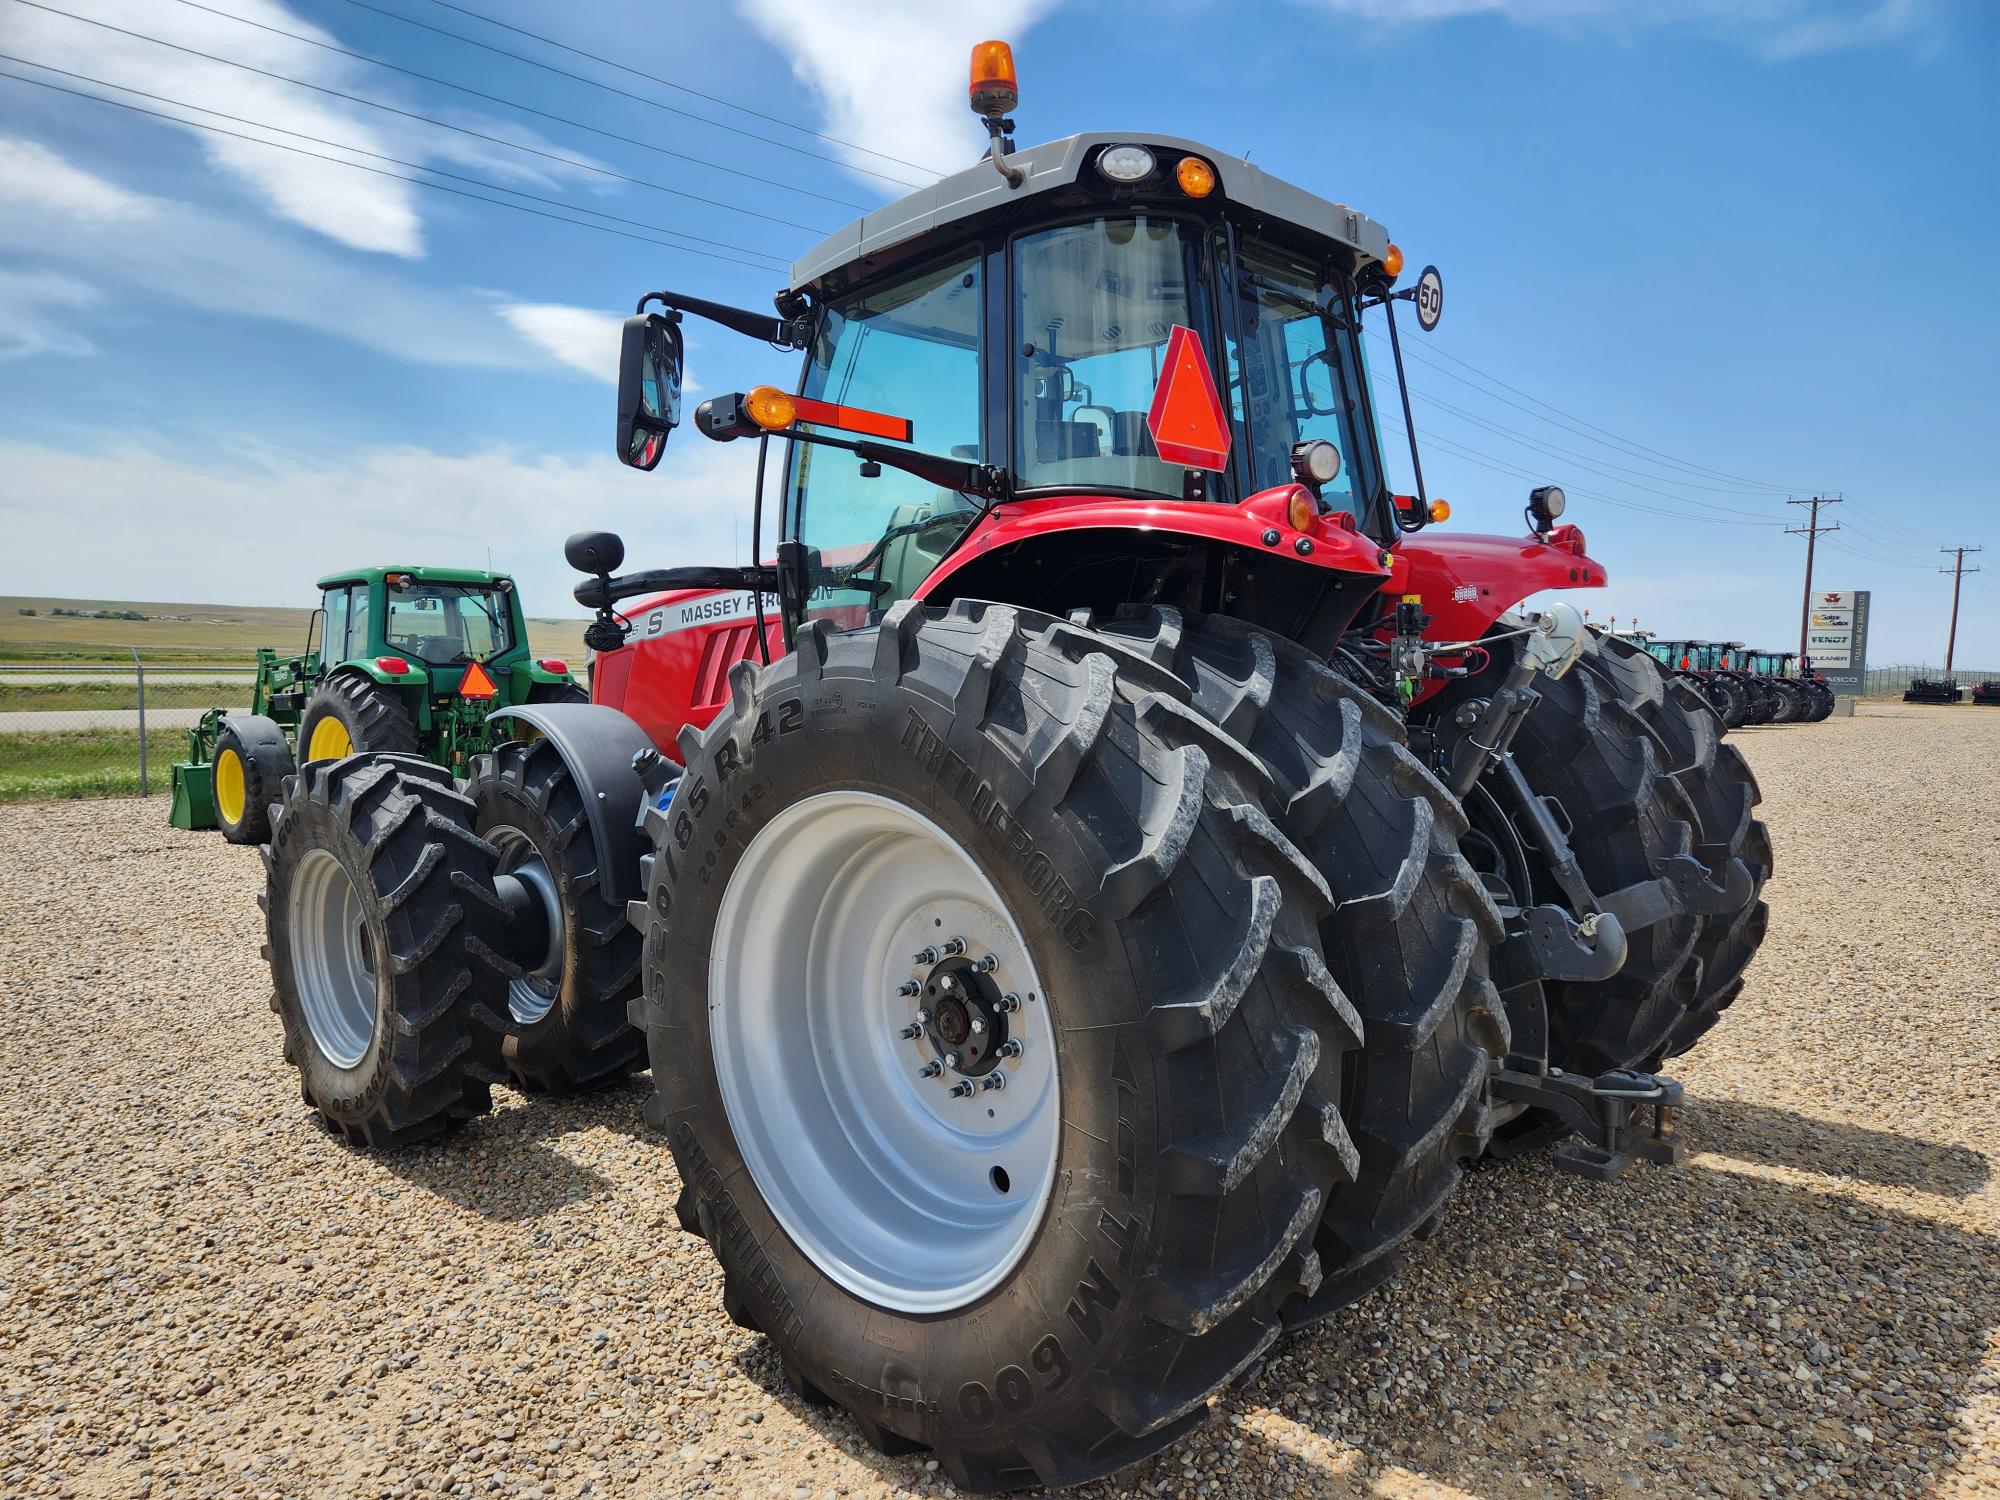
<point x="1837" y="637"/>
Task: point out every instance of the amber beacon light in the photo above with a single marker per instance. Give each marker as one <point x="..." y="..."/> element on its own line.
<point x="994" y="89"/>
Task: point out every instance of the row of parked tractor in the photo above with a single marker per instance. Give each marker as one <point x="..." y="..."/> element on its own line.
<point x="1744" y="685"/>
<point x="1948" y="690"/>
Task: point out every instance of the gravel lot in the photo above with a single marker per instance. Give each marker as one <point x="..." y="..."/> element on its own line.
<point x="203" y="1293"/>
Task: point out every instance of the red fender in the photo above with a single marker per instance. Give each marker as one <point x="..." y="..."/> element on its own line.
<point x="674" y="667"/>
<point x="1468" y="582"/>
<point x="1260" y="524"/>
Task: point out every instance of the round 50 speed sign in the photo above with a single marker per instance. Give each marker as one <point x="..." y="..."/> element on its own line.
<point x="1429" y="298"/>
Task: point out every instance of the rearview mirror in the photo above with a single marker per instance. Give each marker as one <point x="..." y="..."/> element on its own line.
<point x="649" y="388"/>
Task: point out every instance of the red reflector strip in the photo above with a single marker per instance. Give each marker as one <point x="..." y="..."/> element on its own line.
<point x="854" y="419"/>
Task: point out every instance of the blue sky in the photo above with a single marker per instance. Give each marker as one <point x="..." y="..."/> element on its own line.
<point x="1712" y="250"/>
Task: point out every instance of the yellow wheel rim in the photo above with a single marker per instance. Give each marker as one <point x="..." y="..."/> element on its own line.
<point x="230" y="793"/>
<point x="330" y="740"/>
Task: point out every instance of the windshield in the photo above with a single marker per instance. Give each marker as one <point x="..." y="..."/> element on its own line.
<point x="1296" y="375"/>
<point x="441" y="624"/>
<point x="1094" y="306"/>
<point x="911" y="349"/>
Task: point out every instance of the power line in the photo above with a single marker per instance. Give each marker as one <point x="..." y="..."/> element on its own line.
<point x="439" y="187"/>
<point x="1757" y="484"/>
<point x="505" y="103"/>
<point x="317" y="88"/>
<point x="595" y="83"/>
<point x="610" y="62"/>
<point x="1811" y="531"/>
<point x="777" y="262"/>
<point x="441" y="83"/>
<point x="1875" y="557"/>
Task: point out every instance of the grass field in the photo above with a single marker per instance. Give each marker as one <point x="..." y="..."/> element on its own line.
<point x="187" y="634"/>
<point x="82" y="763"/>
<point x="119" y="692"/>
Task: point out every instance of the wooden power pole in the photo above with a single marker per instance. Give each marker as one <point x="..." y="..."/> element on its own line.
<point x="1811" y="532"/>
<point x="1958" y="570"/>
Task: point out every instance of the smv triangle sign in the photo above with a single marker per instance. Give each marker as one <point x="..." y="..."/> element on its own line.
<point x="1188" y="424"/>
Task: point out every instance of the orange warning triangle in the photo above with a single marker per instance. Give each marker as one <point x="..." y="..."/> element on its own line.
<point x="476" y="683"/>
<point x="1188" y="424"/>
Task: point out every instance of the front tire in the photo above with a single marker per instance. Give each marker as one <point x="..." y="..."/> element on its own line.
<point x="377" y="892"/>
<point x="567" y="1030"/>
<point x="1045" y="793"/>
<point x="251" y="763"/>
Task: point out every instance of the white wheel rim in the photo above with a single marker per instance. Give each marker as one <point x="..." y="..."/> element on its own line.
<point x="903" y="1193"/>
<point x="332" y="959"/>
<point x="531" y="997"/>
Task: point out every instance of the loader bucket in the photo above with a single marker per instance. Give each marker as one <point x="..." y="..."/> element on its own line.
<point x="194" y="795"/>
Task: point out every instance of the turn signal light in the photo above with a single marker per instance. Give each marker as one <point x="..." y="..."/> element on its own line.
<point x="1440" y="510"/>
<point x="1300" y="510"/>
<point x="394" y="666"/>
<point x="994" y="89"/>
<point x="770" y="408"/>
<point x="554" y="664"/>
<point x="1196" y="177"/>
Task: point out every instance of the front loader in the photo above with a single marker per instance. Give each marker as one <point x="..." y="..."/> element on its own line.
<point x="1089" y="888"/>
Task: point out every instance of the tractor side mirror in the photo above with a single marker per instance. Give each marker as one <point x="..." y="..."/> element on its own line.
<point x="650" y="356"/>
<point x="595" y="552"/>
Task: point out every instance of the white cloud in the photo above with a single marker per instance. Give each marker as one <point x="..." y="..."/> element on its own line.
<point x="383" y="503"/>
<point x="580" y="337"/>
<point x="890" y="74"/>
<point x="163" y="248"/>
<point x="1777" y="29"/>
<point x="26" y="326"/>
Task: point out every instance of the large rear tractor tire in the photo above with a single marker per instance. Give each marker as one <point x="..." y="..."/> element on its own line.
<point x="1037" y="1244"/>
<point x="1589" y="745"/>
<point x="377" y="893"/>
<point x="1408" y="938"/>
<point x="251" y="763"/>
<point x="349" y="713"/>
<point x="566" y="1028"/>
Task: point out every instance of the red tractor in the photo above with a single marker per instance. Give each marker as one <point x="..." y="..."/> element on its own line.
<point x="1089" y="893"/>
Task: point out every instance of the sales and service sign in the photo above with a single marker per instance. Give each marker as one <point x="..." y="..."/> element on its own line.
<point x="1837" y="637"/>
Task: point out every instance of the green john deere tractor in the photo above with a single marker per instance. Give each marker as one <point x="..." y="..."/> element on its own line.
<point x="409" y="659"/>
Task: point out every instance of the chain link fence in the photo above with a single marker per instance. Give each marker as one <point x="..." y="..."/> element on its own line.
<point x="103" y="731"/>
<point x="1890" y="681"/>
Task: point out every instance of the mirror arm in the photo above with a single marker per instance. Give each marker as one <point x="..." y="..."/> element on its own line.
<point x="1409" y="422"/>
<point x="983" y="480"/>
<point x="790" y="332"/>
<point x="604" y="590"/>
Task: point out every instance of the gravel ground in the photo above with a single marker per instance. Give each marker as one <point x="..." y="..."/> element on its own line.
<point x="202" y="1292"/>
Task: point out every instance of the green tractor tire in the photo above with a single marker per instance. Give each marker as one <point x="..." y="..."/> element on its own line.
<point x="248" y="775"/>
<point x="349" y="713"/>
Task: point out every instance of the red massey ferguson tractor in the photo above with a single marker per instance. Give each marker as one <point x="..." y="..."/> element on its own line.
<point x="1086" y="898"/>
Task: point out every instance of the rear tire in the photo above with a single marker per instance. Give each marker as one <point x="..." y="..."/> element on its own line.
<point x="373" y="897"/>
<point x="251" y="763"/>
<point x="1193" y="1038"/>
<point x="348" y="714"/>
<point x="567" y="1030"/>
<point x="1408" y="938"/>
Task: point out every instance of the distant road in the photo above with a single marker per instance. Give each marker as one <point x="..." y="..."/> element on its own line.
<point x="30" y="677"/>
<point x="98" y="718"/>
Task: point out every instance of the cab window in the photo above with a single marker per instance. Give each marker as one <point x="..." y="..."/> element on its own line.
<point x="910" y="349"/>
<point x="333" y="633"/>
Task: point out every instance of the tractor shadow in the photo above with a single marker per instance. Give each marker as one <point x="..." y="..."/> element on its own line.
<point x="501" y="1166"/>
<point x="1489" y="1369"/>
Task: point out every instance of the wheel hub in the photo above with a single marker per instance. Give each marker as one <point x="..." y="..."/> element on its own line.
<point x="967" y="1029"/>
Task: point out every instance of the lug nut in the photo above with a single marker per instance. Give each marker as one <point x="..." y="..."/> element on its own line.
<point x="954" y="946"/>
<point x="978" y="1025"/>
<point x="963" y="1089"/>
<point x="987" y="963"/>
<point x="947" y="984"/>
<point x="912" y="1032"/>
<point x="951" y="1059"/>
<point x="1009" y="1048"/>
<point x="910" y="987"/>
<point x="994" y="1081"/>
<point x="1009" y="1002"/>
<point x="930" y="1069"/>
<point x="926" y="956"/>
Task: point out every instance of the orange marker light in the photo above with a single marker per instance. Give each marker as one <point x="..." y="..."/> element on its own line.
<point x="1196" y="177"/>
<point x="994" y="89"/>
<point x="1300" y="510"/>
<point x="1392" y="262"/>
<point x="770" y="407"/>
<point x="1440" y="510"/>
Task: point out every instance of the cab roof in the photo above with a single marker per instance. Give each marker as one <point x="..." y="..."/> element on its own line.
<point x="980" y="190"/>
<point x="423" y="575"/>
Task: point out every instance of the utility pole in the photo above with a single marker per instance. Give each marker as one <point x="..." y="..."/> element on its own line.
<point x="1811" y="532"/>
<point x="1958" y="570"/>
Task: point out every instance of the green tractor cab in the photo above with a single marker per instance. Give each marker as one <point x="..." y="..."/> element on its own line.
<point x="409" y="659"/>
